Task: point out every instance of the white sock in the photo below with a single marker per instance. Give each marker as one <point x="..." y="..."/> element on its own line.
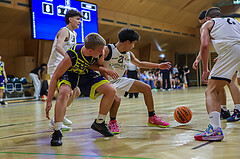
<point x="214" y="118"/>
<point x="224" y="107"/>
<point x="1" y="99"/>
<point x="58" y="126"/>
<point x="101" y="118"/>
<point x="237" y="106"/>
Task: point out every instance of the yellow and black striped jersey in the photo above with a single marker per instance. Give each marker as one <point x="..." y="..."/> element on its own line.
<point x="79" y="61"/>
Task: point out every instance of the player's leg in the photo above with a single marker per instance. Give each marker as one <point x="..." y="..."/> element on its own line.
<point x="66" y="122"/>
<point x="223" y="100"/>
<point x="214" y="131"/>
<point x="1" y="92"/>
<point x="235" y="93"/>
<point x="106" y="103"/>
<point x="113" y="126"/>
<point x="73" y="95"/>
<point x="59" y="113"/>
<point x="153" y="120"/>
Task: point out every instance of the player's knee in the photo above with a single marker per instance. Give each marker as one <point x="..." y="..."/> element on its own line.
<point x="64" y="94"/>
<point x="117" y="99"/>
<point x="78" y="92"/>
<point x="145" y="88"/>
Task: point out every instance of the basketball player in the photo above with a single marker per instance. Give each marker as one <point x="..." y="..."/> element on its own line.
<point x="66" y="77"/>
<point x="2" y="76"/>
<point x="116" y="57"/>
<point x="225" y="114"/>
<point x="224" y="34"/>
<point x="65" y="38"/>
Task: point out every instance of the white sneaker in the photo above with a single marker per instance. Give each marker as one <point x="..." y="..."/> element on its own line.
<point x="64" y="127"/>
<point x="66" y="121"/>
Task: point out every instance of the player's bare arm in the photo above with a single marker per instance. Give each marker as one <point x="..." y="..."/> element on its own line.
<point x="195" y="63"/>
<point x="141" y="64"/>
<point x="4" y="74"/>
<point x="205" y="40"/>
<point x="63" y="35"/>
<point x="61" y="69"/>
<point x="104" y="71"/>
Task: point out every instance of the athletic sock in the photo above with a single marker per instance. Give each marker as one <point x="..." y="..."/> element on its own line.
<point x="152" y="113"/>
<point x="237" y="106"/>
<point x="58" y="126"/>
<point x="214" y="118"/>
<point x="112" y="118"/>
<point x="101" y="118"/>
<point x="1" y="99"/>
<point x="224" y="107"/>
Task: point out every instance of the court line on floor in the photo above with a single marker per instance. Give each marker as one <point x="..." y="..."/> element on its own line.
<point x="199" y="146"/>
<point x="51" y="154"/>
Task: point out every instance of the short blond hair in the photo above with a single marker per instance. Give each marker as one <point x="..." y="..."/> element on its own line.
<point x="93" y="40"/>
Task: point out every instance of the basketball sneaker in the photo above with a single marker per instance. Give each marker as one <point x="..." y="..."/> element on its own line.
<point x="3" y="103"/>
<point x="113" y="126"/>
<point x="210" y="135"/>
<point x="56" y="138"/>
<point x="235" y="116"/>
<point x="102" y="128"/>
<point x="225" y="114"/>
<point x="64" y="127"/>
<point x="157" y="121"/>
<point x="66" y="121"/>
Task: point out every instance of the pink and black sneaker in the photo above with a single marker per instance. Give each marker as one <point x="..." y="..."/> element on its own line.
<point x="113" y="126"/>
<point x="157" y="122"/>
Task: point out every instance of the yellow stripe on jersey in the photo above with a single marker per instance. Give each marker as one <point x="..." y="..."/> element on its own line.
<point x="94" y="95"/>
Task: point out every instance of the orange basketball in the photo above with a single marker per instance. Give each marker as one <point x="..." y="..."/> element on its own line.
<point x="44" y="98"/>
<point x="182" y="114"/>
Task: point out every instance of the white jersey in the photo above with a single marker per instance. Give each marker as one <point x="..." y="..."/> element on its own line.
<point x="225" y="33"/>
<point x="117" y="61"/>
<point x="225" y="36"/>
<point x="56" y="57"/>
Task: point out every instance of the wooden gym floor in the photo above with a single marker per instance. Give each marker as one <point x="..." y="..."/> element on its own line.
<point x="24" y="132"/>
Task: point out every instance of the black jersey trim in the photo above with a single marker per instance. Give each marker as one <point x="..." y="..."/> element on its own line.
<point x="109" y="54"/>
<point x="212" y="26"/>
<point x="220" y="78"/>
<point x="72" y="56"/>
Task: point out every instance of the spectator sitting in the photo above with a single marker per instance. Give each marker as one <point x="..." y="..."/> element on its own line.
<point x="144" y="77"/>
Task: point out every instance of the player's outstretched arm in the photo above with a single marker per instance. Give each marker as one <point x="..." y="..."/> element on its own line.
<point x="141" y="64"/>
<point x="61" y="69"/>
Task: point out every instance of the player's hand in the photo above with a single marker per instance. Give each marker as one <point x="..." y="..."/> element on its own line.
<point x="205" y="76"/>
<point x="195" y="64"/>
<point x="48" y="108"/>
<point x="104" y="74"/>
<point x="215" y="60"/>
<point x="112" y="74"/>
<point x="165" y="66"/>
<point x="6" y="80"/>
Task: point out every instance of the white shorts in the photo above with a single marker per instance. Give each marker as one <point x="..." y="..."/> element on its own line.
<point x="227" y="64"/>
<point x="51" y="70"/>
<point x="123" y="84"/>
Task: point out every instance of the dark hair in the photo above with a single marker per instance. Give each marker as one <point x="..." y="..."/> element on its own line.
<point x="214" y="12"/>
<point x="202" y="15"/>
<point x="72" y="13"/>
<point x="128" y="34"/>
<point x="43" y="64"/>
